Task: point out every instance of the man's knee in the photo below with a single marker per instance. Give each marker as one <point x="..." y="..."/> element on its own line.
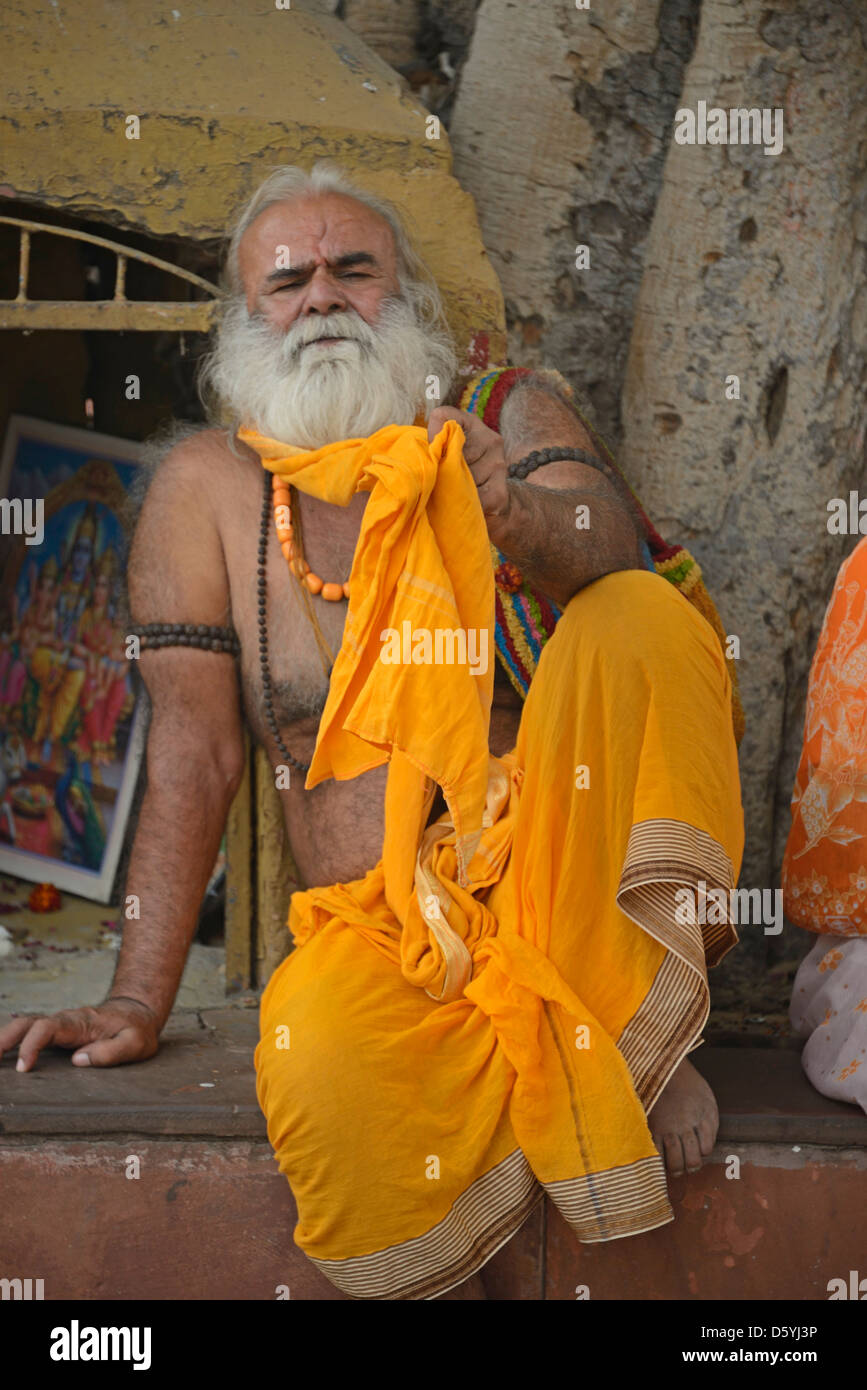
<point x="633" y="615"/>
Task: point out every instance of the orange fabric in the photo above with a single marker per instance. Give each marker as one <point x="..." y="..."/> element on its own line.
<point x="824" y="875"/>
<point x="495" y="1006"/>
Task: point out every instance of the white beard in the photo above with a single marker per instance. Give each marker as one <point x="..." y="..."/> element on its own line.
<point x="315" y="395"/>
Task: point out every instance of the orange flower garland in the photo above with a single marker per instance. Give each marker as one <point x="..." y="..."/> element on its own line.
<point x="332" y="591"/>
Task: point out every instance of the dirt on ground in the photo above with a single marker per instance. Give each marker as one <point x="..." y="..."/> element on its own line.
<point x="63" y="959"/>
<point x="750" y="996"/>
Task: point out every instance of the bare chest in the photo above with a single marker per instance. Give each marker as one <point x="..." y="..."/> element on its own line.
<point x="303" y="632"/>
<point x="335" y="829"/>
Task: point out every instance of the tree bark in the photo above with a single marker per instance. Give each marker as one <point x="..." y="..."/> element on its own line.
<point x="559" y="132"/>
<point x="754" y="268"/>
<point x="389" y="27"/>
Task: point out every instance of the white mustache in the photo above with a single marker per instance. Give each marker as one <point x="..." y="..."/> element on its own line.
<point x="350" y="327"/>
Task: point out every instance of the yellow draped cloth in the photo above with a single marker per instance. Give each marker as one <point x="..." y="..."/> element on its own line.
<point x="489" y="1014"/>
<point x="422" y="557"/>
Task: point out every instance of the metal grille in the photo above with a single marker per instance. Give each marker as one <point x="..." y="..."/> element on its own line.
<point x="137" y="315"/>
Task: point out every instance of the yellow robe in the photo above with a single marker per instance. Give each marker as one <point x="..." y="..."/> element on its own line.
<point x="442" y="1048"/>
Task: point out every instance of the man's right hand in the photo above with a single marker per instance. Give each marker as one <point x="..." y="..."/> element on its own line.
<point x="120" y="1030"/>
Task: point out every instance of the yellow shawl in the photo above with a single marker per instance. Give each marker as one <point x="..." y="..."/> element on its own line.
<point x="422" y="558"/>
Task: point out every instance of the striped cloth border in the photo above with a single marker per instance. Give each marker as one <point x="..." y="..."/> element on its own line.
<point x="663" y="856"/>
<point x="480" y="1221"/>
<point x="617" y="1203"/>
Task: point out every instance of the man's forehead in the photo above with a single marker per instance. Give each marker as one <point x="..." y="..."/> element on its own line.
<point x="315" y="226"/>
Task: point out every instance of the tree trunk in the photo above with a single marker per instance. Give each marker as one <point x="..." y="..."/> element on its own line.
<point x="559" y="132"/>
<point x="389" y="27"/>
<point x="754" y="268"/>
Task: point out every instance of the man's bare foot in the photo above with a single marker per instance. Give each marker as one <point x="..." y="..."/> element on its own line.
<point x="684" y="1121"/>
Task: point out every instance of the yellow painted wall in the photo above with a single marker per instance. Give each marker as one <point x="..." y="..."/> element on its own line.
<point x="223" y="92"/>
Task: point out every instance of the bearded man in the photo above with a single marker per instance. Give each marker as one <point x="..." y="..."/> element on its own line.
<point x="492" y="989"/>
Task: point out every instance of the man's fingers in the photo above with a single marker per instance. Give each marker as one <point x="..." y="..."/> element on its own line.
<point x="478" y="439"/>
<point x="483" y="448"/>
<point x="438" y="417"/>
<point x="126" y="1046"/>
<point x="483" y="469"/>
<point x="480" y="443"/>
<point x="102" y="1036"/>
<point x="11" y="1033"/>
<point x="58" y="1029"/>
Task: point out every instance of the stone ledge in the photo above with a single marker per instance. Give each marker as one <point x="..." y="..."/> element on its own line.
<point x="765" y="1098"/>
<point x="201" y="1084"/>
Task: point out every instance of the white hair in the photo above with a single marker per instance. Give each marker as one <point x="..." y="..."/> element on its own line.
<point x="312" y="395"/>
<point x="290" y="181"/>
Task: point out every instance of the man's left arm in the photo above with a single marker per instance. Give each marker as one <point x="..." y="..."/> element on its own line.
<point x="535" y="522"/>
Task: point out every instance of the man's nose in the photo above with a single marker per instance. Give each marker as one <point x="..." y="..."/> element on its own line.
<point x="324" y="295"/>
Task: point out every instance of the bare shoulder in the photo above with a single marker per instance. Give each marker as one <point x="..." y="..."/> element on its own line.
<point x="177" y="558"/>
<point x="205" y="455"/>
<point x="197" y="473"/>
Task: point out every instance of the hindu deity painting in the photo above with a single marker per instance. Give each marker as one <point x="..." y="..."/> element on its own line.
<point x="69" y="706"/>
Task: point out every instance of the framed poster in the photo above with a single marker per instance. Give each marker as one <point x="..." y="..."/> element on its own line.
<point x="70" y="717"/>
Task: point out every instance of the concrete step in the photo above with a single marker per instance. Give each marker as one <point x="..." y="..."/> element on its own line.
<point x="209" y="1215"/>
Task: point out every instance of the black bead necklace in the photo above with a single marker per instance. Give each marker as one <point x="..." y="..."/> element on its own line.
<point x="263" y="631"/>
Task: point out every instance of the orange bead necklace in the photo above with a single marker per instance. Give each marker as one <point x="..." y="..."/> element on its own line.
<point x="333" y="591"/>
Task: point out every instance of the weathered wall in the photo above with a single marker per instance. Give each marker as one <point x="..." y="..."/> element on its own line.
<point x="220" y="92"/>
<point x="223" y="93"/>
<point x="209" y="1215"/>
<point x="212" y="1219"/>
<point x="705" y="261"/>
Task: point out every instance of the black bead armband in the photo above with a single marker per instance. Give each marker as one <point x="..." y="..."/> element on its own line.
<point x="206" y="638"/>
<point x="539" y="457"/>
